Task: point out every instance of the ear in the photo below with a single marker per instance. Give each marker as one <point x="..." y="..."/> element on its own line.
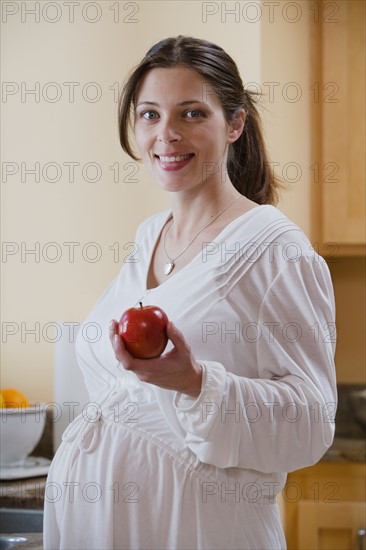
<point x="236" y="126"/>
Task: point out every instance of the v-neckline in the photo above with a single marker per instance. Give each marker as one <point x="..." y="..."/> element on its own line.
<point x="158" y="235"/>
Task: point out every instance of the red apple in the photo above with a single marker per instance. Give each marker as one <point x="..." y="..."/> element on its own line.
<point x="143" y="330"/>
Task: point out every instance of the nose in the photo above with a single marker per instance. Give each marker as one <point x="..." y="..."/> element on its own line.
<point x="168" y="131"/>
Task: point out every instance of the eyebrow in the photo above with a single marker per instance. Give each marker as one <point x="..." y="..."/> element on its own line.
<point x="187" y="102"/>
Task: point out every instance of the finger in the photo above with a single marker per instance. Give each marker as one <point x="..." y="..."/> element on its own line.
<point x="117" y="343"/>
<point x="120" y="351"/>
<point x="113" y="328"/>
<point x="176" y="336"/>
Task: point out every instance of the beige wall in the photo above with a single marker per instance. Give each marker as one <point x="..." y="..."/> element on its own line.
<point x="286" y="81"/>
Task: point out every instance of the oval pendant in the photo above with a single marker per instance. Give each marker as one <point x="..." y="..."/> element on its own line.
<point x="168" y="268"/>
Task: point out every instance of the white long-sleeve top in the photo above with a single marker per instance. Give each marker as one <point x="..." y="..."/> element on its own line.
<point x="257" y="308"/>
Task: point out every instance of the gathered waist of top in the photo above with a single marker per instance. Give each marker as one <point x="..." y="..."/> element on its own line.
<point x="86" y="432"/>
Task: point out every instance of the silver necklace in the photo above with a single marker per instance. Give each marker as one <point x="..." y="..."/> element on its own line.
<point x="170" y="264"/>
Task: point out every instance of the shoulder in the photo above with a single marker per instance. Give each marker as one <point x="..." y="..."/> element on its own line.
<point x="291" y="258"/>
<point x="272" y="229"/>
<point x="277" y="248"/>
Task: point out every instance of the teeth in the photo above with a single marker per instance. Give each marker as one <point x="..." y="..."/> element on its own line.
<point x="174" y="159"/>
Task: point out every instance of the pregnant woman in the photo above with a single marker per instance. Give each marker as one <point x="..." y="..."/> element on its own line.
<point x="189" y="450"/>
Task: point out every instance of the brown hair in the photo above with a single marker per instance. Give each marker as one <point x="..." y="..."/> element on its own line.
<point x="248" y="163"/>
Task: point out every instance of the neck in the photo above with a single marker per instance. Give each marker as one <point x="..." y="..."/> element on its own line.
<point x="192" y="211"/>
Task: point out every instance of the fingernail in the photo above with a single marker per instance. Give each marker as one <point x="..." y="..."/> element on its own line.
<point x="111" y="325"/>
<point x="116" y="338"/>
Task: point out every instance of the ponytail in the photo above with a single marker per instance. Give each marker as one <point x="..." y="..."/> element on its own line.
<point x="248" y="166"/>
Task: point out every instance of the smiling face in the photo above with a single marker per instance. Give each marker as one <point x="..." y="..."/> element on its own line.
<point x="180" y="129"/>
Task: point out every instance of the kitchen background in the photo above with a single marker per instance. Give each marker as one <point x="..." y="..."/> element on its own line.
<point x="72" y="200"/>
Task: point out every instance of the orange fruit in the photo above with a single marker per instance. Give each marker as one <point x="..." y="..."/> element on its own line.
<point x="14" y="398"/>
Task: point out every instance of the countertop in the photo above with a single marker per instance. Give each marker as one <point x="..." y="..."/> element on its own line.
<point x="23" y="493"/>
<point x="34" y="542"/>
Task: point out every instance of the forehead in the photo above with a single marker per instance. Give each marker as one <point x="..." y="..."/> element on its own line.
<point x="176" y="84"/>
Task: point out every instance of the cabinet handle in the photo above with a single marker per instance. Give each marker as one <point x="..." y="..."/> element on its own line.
<point x="361" y="538"/>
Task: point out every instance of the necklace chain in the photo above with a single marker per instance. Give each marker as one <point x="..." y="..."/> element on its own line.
<point x="170" y="265"/>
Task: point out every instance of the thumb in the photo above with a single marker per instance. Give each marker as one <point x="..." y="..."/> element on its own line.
<point x="175" y="335"/>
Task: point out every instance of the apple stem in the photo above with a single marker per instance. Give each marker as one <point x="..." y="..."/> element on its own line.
<point x="141" y="305"/>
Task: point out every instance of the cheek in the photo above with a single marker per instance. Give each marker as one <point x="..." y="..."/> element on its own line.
<point x="213" y="147"/>
<point x="142" y="140"/>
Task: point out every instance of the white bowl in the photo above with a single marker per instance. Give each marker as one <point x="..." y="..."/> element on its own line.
<point x="20" y="431"/>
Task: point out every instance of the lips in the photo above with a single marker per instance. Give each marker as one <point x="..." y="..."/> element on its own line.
<point x="174" y="161"/>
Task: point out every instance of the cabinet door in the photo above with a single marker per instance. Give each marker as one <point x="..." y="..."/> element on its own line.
<point x="330" y="526"/>
<point x="343" y="121"/>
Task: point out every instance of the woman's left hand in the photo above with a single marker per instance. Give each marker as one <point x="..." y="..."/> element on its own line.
<point x="175" y="370"/>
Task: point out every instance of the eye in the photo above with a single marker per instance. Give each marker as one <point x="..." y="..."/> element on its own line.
<point x="149" y="115"/>
<point x="194" y="114"/>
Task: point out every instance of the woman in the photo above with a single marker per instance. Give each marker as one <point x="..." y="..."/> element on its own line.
<point x="189" y="450"/>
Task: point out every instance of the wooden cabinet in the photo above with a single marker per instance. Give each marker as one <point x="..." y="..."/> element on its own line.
<point x="340" y="64"/>
<point x="325" y="507"/>
<point x="337" y="526"/>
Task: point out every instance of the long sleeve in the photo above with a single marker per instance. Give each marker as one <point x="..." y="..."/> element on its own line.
<point x="282" y="419"/>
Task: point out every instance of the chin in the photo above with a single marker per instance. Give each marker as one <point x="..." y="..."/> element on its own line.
<point x="171" y="188"/>
<point x="171" y="184"/>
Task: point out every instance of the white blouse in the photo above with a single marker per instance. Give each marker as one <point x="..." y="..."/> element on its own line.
<point x="149" y="468"/>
